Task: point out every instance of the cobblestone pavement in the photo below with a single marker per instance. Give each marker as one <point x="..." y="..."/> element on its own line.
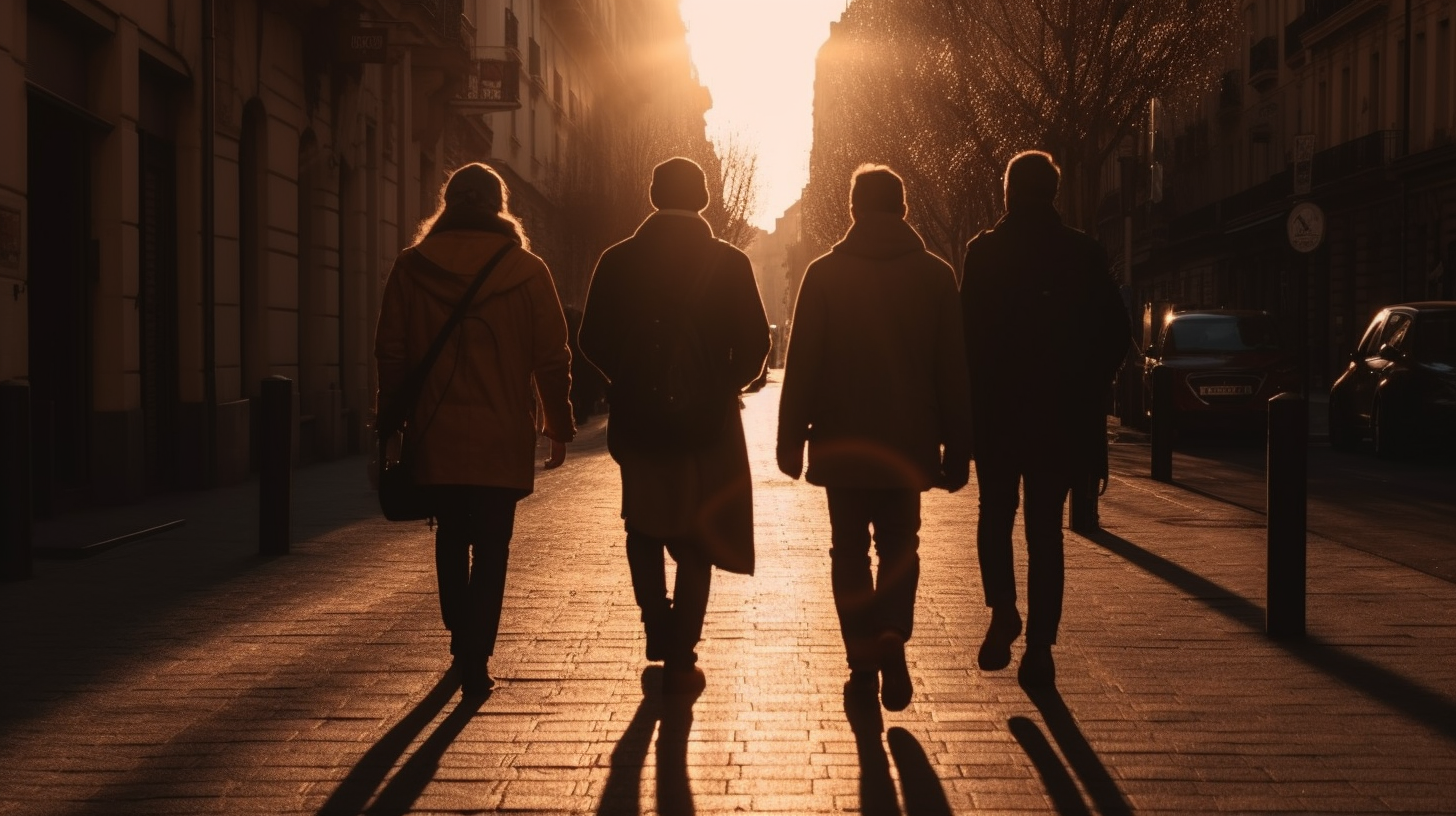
<point x="184" y="674"/>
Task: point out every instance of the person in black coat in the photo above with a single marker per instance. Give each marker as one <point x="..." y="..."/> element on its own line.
<point x="691" y="499"/>
<point x="1045" y="333"/>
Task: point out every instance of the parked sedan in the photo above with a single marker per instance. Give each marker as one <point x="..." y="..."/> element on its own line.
<point x="1226" y="364"/>
<point x="1400" y="385"/>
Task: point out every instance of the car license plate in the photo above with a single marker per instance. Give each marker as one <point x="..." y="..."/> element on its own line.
<point x="1225" y="390"/>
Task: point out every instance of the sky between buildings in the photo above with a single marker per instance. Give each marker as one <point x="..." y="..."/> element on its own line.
<point x="757" y="59"/>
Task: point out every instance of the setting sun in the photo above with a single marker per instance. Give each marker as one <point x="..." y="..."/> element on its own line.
<point x="757" y="59"/>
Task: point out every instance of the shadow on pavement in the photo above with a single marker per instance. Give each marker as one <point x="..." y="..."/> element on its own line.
<point x="876" y="787"/>
<point x="1066" y="799"/>
<point x="128" y="593"/>
<point x="919" y="784"/>
<point x="1080" y="755"/>
<point x="1393" y="690"/>
<point x="924" y="795"/>
<point x="358" y="787"/>
<point x="621" y="796"/>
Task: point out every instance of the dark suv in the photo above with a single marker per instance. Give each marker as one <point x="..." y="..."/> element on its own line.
<point x="1226" y="364"/>
<point x="1400" y="385"/>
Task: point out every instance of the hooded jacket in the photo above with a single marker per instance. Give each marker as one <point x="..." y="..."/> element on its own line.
<point x="875" y="380"/>
<point x="475" y="421"/>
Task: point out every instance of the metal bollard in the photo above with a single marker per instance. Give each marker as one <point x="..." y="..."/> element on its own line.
<point x="275" y="466"/>
<point x="1163" y="425"/>
<point x="1288" y="461"/>
<point x="16" y="494"/>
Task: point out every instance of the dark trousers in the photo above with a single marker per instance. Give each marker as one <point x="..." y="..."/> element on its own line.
<point x="871" y="604"/>
<point x="647" y="560"/>
<point x="1045" y="480"/>
<point x="472" y="545"/>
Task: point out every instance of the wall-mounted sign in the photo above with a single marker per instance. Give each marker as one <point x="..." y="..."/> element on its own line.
<point x="361" y="44"/>
<point x="1306" y="226"/>
<point x="1303" y="163"/>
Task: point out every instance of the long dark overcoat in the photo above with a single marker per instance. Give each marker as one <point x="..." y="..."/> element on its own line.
<point x="703" y="495"/>
<point x="1045" y="333"/>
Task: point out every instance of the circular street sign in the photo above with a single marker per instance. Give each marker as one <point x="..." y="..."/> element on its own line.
<point x="1306" y="226"/>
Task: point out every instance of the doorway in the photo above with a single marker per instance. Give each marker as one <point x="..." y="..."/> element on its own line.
<point x="61" y="271"/>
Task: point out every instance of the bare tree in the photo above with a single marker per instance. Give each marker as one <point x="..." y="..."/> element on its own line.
<point x="945" y="91"/>
<point x="738" y="190"/>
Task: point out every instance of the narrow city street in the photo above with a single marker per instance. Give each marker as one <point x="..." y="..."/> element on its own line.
<point x="182" y="673"/>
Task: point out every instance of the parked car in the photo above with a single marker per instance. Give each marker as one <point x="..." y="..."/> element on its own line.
<point x="1400" y="386"/>
<point x="1226" y="364"/>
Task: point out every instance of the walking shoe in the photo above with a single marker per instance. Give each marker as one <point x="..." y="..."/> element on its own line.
<point x="1038" y="670"/>
<point x="680" y="682"/>
<point x="895" y="688"/>
<point x="475" y="679"/>
<point x="995" y="651"/>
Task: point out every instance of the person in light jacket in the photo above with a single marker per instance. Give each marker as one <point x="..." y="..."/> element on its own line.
<point x="690" y="499"/>
<point x="503" y="377"/>
<point x="875" y="383"/>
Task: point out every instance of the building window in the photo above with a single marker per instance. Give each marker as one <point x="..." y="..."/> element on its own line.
<point x="1347" y="106"/>
<point x="533" y="58"/>
<point x="1377" y="119"/>
<point x="513" y="30"/>
<point x="1443" y="80"/>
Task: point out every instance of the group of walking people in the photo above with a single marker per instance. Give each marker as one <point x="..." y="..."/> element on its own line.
<point x="895" y="382"/>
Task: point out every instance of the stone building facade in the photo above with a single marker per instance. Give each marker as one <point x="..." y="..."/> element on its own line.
<point x="1322" y="101"/>
<point x="195" y="196"/>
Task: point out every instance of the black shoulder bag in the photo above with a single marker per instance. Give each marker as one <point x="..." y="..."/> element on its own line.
<point x="400" y="496"/>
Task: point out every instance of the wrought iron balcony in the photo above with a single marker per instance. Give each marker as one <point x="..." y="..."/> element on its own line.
<point x="1264" y="63"/>
<point x="492" y="83"/>
<point x="446" y="14"/>
<point x="1375" y="149"/>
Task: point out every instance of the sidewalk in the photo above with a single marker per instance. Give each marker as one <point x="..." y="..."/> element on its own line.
<point x="184" y="674"/>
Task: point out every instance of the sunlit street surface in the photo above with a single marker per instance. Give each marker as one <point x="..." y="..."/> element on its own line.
<point x="184" y="674"/>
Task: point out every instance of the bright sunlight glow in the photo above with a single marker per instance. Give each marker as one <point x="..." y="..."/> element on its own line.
<point x="757" y="59"/>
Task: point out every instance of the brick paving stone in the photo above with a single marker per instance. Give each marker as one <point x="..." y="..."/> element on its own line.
<point x="185" y="674"/>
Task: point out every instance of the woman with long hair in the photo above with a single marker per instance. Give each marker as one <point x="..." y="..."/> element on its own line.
<point x="502" y="378"/>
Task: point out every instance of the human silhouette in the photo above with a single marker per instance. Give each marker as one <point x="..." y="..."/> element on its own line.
<point x="674" y="322"/>
<point x="875" y="383"/>
<point x="1045" y="332"/>
<point x="474" y="425"/>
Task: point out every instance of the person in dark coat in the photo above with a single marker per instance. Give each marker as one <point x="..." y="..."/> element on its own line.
<point x="1045" y="333"/>
<point x="875" y="383"/>
<point x="688" y="498"/>
<point x="502" y="379"/>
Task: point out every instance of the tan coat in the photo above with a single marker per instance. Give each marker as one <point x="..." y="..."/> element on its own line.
<point x="476" y="420"/>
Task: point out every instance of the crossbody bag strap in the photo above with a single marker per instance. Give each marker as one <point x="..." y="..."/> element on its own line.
<point x="393" y="420"/>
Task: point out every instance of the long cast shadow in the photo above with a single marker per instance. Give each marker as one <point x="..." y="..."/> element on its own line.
<point x="621" y="796"/>
<point x="876" y="787"/>
<point x="674" y="788"/>
<point x="924" y="795"/>
<point x="1079" y="752"/>
<point x="1395" y="691"/>
<point x="357" y="788"/>
<point x="919" y="784"/>
<point x="1066" y="799"/>
<point x="399" y="795"/>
